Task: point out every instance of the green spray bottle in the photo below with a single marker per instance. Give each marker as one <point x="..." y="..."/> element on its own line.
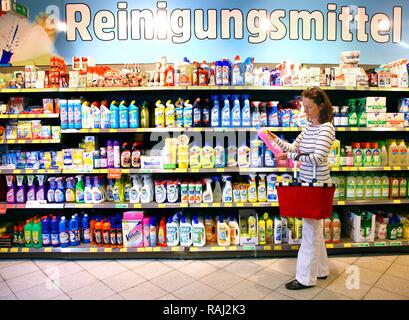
<point x="37" y="235"/>
<point x="28" y="234"/>
<point x="79" y="190"/>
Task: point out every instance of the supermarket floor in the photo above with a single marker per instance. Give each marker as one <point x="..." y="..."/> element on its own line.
<point x="375" y="277"/>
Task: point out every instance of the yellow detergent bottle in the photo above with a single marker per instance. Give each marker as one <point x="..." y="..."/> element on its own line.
<point x="252" y="224"/>
<point x="223" y="233"/>
<point x="269" y="228"/>
<point x="262" y="232"/>
<point x="145" y="115"/>
<point x="159" y="115"/>
<point x="208" y="157"/>
<point x="393" y="153"/>
<point x="234" y="231"/>
<point x="252" y="190"/>
<point x="195" y="157"/>
<point x="334" y="154"/>
<point x="243" y="227"/>
<point x="261" y="189"/>
<point x="170" y="114"/>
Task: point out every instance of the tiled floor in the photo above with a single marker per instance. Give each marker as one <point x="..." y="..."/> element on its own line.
<point x="365" y="277"/>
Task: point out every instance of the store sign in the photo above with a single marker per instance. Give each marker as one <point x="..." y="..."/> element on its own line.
<point x="272" y="31"/>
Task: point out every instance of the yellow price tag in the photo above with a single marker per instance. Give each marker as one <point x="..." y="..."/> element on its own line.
<point x="240" y="204"/>
<point x="204" y="205"/>
<point x="282" y="169"/>
<point x="354" y="129"/>
<point x="341" y="129"/>
<point x="330" y="246"/>
<point x="156" y="249"/>
<point x="396" y="201"/>
<point x="112" y="130"/>
<point x="216" y="204"/>
<point x="218" y="248"/>
<point x="47" y="250"/>
<point x="14" y="250"/>
<point x="267" y="248"/>
<point x="194" y="249"/>
<point x="140" y="249"/>
<point x="228" y="204"/>
<point x="175" y="248"/>
<point x="161" y="205"/>
<point x="353" y="169"/>
<point x="341" y="203"/>
<point x="25" y="250"/>
<point x="294" y="247"/>
<point x="232" y="248"/>
<point x="220" y="170"/>
<point x="137" y="205"/>
<point x="17" y="171"/>
<point x="107" y="249"/>
<point x="347" y="245"/>
<point x="387" y="168"/>
<point x="335" y="169"/>
<point x="93" y="250"/>
<point x="397" y="168"/>
<point x="256" y="204"/>
<point x="123" y="250"/>
<point x="184" y="205"/>
<point x="148" y="249"/>
<point x="4" y="250"/>
<point x="194" y="170"/>
<point x="278" y="248"/>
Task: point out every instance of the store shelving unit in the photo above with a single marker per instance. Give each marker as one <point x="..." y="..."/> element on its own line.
<point x="84" y="251"/>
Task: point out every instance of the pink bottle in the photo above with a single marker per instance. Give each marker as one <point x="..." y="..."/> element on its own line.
<point x="268" y="140"/>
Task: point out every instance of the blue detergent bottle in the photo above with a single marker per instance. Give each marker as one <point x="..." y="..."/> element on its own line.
<point x="226" y="113"/>
<point x="246" y="113"/>
<point x="46" y="231"/>
<point x="114" y="115"/>
<point x="153" y="232"/>
<point x="64" y="114"/>
<point x="134" y="118"/>
<point x="55" y="232"/>
<point x="273" y="114"/>
<point x="215" y="113"/>
<point x="64" y="236"/>
<point x="73" y="231"/>
<point x="86" y="234"/>
<point x="236" y="120"/>
<point x="123" y="115"/>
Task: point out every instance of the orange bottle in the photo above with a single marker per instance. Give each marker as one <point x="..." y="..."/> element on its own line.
<point x="169" y="76"/>
<point x="98" y="233"/>
<point x="336" y="229"/>
<point x="106" y="233"/>
<point x="327" y="230"/>
<point x="195" y="74"/>
<point x="162" y="233"/>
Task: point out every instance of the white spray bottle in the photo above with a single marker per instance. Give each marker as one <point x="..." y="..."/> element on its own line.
<point x="208" y="194"/>
<point x="134" y="192"/>
<point x="217" y="192"/>
<point x="227" y="195"/>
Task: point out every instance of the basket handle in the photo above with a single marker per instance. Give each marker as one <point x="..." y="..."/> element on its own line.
<point x="314" y="169"/>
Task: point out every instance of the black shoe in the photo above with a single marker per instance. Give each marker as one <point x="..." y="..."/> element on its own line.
<point x="322" y="278"/>
<point x="295" y="285"/>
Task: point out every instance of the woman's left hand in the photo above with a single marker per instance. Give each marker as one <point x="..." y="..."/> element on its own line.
<point x="282" y="156"/>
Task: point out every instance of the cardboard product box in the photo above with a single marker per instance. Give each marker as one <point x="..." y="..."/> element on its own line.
<point x="396" y="120"/>
<point x="244" y="238"/>
<point x="151" y="162"/>
<point x="375" y="104"/>
<point x="359" y="230"/>
<point x="376" y="119"/>
<point x="132" y="229"/>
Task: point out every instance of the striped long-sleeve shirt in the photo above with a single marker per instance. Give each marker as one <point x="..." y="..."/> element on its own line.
<point x="316" y="141"/>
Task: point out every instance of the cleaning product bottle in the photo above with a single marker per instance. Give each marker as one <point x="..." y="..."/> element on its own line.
<point x="172" y="233"/>
<point x="134" y="119"/>
<point x="152" y="232"/>
<point x="368" y="187"/>
<point x="227" y="194"/>
<point x="336" y="228"/>
<point x="359" y="191"/>
<point x="123" y="115"/>
<point x="206" y="113"/>
<point x="106" y="233"/>
<point x="262" y="232"/>
<point x="185" y="233"/>
<point x="252" y="190"/>
<point x="261" y="189"/>
<point x="277" y="230"/>
<point x="116" y="154"/>
<point x="145" y="115"/>
<point x="255" y="115"/>
<point x="110" y="154"/>
<point x="59" y="192"/>
<point x="195" y="157"/>
<point x="208" y="157"/>
<point x="385" y="184"/>
<point x="226" y="113"/>
<point x="36" y="234"/>
<point x="384" y="154"/>
<point x="86" y="236"/>
<point x="252" y="225"/>
<point x="170" y="114"/>
<point x="146" y="190"/>
<point x="46" y="231"/>
<point x="55" y="232"/>
<point x="215" y="113"/>
<point x="393" y="154"/>
<point x="28" y="234"/>
<point x="179" y="113"/>
<point x="79" y="190"/>
<point x="256" y="153"/>
<point x="269" y="228"/>
<point x="223" y="233"/>
<point x="208" y="193"/>
<point x="31" y="192"/>
<point x="95" y="115"/>
<point x="236" y="120"/>
<point x="327" y="230"/>
<point x="376" y="155"/>
<point x="159" y="114"/>
<point x="403" y="153"/>
<point x="73" y="231"/>
<point x="98" y="232"/>
<point x="97" y="195"/>
<point x="220" y="157"/>
<point x="234" y="231"/>
<point x="243" y="158"/>
<point x="88" y="190"/>
<point x="232" y="156"/>
<point x="21" y="190"/>
<point x="146" y="232"/>
<point x="197" y="113"/>
<point x="70" y="189"/>
<point x="83" y="119"/>
<point x="11" y="191"/>
<point x="162" y="233"/>
<point x="271" y="189"/>
<point x="114" y="115"/>
<point x="198" y="232"/>
<point x="211" y="234"/>
<point x="105" y="115"/>
<point x="134" y="192"/>
<point x="64" y="235"/>
<point x="217" y="191"/>
<point x="246" y="113"/>
<point x="126" y="155"/>
<point x="351" y="187"/>
<point x="187" y="115"/>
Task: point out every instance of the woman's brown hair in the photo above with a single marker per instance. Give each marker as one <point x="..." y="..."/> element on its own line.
<point x="321" y="99"/>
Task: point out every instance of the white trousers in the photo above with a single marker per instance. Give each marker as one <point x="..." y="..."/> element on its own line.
<point x="312" y="261"/>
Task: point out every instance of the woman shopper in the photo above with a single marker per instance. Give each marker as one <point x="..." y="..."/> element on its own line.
<point x="315" y="140"/>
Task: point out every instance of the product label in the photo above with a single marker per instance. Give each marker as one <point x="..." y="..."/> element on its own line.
<point x="236" y="117"/>
<point x="246" y="117"/>
<point x="197" y="116"/>
<point x="385" y="188"/>
<point x="402" y="188"/>
<point x="172" y="193"/>
<point x="185" y="235"/>
<point x="86" y="234"/>
<point x="64" y="238"/>
<point x="171" y="234"/>
<point x="55" y="239"/>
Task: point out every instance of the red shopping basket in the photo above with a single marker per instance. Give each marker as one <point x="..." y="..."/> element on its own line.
<point x="305" y="200"/>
